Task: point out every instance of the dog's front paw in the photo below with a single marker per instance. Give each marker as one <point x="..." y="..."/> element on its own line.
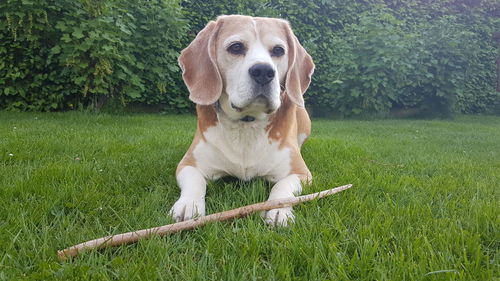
<point x="187" y="208"/>
<point x="279" y="217"/>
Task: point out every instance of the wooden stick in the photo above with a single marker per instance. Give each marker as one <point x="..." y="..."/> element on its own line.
<point x="134" y="236"/>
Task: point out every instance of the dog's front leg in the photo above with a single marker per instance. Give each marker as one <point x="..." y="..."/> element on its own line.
<point x="193" y="187"/>
<point x="286" y="187"/>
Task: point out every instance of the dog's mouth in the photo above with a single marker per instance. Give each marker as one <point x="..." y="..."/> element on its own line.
<point x="260" y="104"/>
<point x="258" y="108"/>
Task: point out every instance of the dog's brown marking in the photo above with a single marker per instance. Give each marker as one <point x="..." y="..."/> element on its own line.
<point x="207" y="117"/>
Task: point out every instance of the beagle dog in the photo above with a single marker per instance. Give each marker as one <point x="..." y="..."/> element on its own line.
<point x="247" y="76"/>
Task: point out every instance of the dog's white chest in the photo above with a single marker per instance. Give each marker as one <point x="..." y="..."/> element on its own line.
<point x="243" y="150"/>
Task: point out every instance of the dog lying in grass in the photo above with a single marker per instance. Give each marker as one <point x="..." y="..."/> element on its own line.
<point x="247" y="76"/>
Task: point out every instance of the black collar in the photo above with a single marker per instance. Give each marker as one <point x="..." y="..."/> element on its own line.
<point x="247" y="119"/>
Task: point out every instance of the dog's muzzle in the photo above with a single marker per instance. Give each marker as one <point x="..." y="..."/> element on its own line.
<point x="261" y="101"/>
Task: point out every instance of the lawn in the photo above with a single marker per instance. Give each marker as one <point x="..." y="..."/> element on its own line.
<point x="424" y="206"/>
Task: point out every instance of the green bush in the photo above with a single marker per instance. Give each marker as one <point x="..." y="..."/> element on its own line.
<point x="367" y="66"/>
<point x="65" y="54"/>
<point x="372" y="57"/>
<point x="385" y="59"/>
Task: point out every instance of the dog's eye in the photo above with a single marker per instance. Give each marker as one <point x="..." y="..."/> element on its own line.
<point x="236" y="48"/>
<point x="277" y="51"/>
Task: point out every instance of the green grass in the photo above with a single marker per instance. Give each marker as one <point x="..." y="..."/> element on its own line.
<point x="424" y="206"/>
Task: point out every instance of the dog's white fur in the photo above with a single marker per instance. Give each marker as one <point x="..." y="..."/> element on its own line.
<point x="269" y="146"/>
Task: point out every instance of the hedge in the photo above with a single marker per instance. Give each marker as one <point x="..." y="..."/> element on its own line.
<point x="372" y="57"/>
<point x="63" y="54"/>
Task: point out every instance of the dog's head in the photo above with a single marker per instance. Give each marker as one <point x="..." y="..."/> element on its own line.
<point x="245" y="63"/>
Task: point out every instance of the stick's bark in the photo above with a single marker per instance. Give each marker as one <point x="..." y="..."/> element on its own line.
<point x="134" y="236"/>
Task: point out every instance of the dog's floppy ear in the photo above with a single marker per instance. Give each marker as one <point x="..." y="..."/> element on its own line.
<point x="199" y="68"/>
<point x="300" y="68"/>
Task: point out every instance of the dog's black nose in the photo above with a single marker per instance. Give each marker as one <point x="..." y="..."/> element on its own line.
<point x="261" y="73"/>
